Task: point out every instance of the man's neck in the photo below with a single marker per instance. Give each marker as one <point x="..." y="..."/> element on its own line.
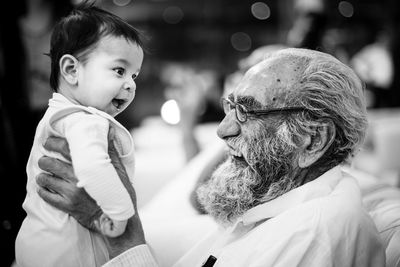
<point x="311" y="173"/>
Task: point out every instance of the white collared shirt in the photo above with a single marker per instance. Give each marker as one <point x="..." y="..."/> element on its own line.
<point x="321" y="223"/>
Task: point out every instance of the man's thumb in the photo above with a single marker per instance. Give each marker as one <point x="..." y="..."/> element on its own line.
<point x="111" y="134"/>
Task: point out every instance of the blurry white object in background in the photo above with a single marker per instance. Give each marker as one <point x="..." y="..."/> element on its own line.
<point x="170" y="112"/>
<point x="160" y="155"/>
<point x="170" y="215"/>
<point x="316" y="6"/>
<point x="380" y="155"/>
<point x="374" y="65"/>
<point x="387" y="143"/>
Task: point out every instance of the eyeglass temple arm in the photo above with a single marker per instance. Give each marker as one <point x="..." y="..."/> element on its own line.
<point x="279" y="110"/>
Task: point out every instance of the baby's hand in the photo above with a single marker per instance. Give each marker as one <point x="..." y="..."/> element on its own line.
<point x="109" y="227"/>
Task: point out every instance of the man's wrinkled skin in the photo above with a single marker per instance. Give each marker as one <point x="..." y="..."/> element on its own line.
<point x="264" y="162"/>
<point x="63" y="194"/>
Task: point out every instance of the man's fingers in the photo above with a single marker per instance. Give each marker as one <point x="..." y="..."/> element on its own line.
<point x="111" y="134"/>
<point x="58" y="168"/>
<point x="49" y="190"/>
<point x="50" y="183"/>
<point x="58" y="144"/>
<point x="51" y="198"/>
<point x="119" y="167"/>
<point x="112" y="151"/>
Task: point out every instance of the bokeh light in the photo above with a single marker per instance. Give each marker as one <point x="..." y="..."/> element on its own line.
<point x="170" y="112"/>
<point x="241" y="41"/>
<point x="172" y="14"/>
<point x="346" y="9"/>
<point x="260" y="10"/>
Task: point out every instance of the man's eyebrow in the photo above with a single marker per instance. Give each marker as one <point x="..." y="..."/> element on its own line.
<point x="249" y="102"/>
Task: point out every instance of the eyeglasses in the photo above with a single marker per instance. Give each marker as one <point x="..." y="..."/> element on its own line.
<point x="242" y="113"/>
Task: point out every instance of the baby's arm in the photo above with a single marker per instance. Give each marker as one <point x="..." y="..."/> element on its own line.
<point x="87" y="138"/>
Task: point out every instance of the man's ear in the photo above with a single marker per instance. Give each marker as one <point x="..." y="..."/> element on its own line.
<point x="317" y="143"/>
<point x="69" y="69"/>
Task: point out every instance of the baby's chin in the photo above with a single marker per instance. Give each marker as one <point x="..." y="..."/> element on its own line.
<point x="116" y="112"/>
<point x="112" y="111"/>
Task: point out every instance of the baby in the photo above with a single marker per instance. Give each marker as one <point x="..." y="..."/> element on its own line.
<point x="95" y="59"/>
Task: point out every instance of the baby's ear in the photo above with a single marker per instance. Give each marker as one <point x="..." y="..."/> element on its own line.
<point x="69" y="69"/>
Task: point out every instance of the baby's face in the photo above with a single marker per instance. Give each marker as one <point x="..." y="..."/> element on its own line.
<point x="106" y="80"/>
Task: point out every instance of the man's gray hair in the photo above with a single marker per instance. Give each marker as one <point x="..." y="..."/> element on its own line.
<point x="330" y="90"/>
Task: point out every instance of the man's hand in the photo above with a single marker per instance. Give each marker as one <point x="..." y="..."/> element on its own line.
<point x="59" y="190"/>
<point x="58" y="186"/>
<point x="134" y="234"/>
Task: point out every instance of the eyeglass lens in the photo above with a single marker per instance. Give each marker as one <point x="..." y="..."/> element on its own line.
<point x="227" y="106"/>
<point x="239" y="111"/>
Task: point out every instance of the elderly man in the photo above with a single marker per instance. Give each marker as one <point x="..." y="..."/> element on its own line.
<point x="281" y="197"/>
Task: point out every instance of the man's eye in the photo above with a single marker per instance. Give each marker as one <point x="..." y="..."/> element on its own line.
<point x="120" y="71"/>
<point x="134" y="76"/>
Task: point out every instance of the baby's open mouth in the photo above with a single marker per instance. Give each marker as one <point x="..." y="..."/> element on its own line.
<point x="118" y="102"/>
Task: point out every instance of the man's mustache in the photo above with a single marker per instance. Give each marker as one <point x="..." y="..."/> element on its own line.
<point x="247" y="150"/>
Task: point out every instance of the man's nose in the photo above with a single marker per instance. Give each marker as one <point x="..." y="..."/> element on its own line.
<point x="229" y="127"/>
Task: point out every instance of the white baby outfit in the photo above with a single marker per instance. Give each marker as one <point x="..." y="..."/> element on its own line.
<point x="50" y="237"/>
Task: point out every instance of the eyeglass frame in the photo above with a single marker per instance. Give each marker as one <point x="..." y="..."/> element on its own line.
<point x="256" y="113"/>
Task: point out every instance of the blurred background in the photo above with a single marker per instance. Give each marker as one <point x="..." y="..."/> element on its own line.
<point x="197" y="50"/>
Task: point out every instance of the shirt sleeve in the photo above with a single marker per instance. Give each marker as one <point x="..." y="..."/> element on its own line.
<point x="87" y="139"/>
<point x="139" y="256"/>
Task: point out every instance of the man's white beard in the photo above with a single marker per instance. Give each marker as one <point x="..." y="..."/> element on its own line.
<point x="237" y="186"/>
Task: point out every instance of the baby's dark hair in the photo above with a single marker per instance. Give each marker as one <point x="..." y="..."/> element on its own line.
<point x="79" y="32"/>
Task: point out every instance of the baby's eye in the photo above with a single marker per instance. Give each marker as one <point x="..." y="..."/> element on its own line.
<point x="119" y="71"/>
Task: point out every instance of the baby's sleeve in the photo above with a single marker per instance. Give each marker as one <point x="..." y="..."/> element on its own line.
<point x="87" y="138"/>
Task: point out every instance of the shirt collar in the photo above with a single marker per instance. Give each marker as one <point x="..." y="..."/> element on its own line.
<point x="319" y="187"/>
<point x="59" y="101"/>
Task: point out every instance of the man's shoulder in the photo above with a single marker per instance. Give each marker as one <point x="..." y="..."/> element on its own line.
<point x="341" y="202"/>
<point x="341" y="207"/>
<point x="344" y="207"/>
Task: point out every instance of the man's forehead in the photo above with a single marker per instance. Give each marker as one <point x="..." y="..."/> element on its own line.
<point x="271" y="80"/>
